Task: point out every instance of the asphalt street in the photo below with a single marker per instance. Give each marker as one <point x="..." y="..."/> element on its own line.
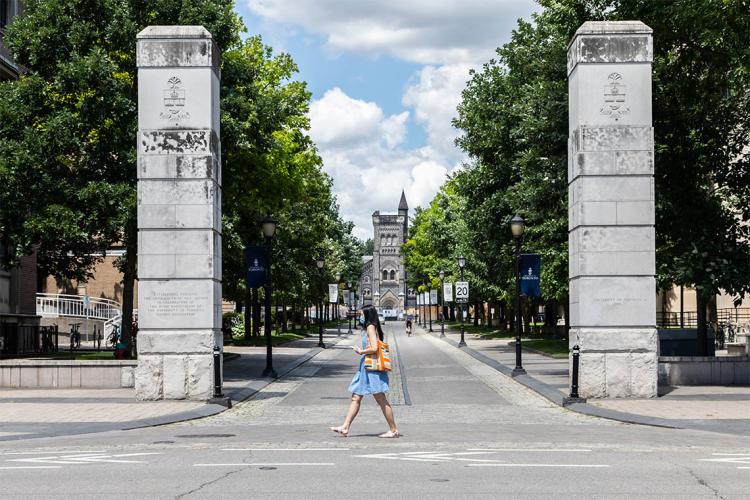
<point x="469" y="432"/>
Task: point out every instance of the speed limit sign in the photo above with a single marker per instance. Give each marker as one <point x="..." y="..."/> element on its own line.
<point x="462" y="291"/>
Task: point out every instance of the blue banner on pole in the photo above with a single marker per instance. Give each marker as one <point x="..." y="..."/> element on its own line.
<point x="531" y="267"/>
<point x="255" y="265"/>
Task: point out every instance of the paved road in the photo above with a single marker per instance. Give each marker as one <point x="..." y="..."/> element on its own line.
<point x="468" y="431"/>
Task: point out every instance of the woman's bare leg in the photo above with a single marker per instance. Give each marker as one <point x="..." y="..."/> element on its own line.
<point x="352" y="413"/>
<point x="385" y="406"/>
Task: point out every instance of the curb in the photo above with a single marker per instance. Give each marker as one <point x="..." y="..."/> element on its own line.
<point x="558" y="398"/>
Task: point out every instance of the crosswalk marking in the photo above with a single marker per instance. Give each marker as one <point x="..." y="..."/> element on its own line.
<point x="86" y="458"/>
<point x="730" y="458"/>
<point x="267" y="464"/>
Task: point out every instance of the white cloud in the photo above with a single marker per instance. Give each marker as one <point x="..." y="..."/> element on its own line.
<point x="337" y="120"/>
<point x="360" y="150"/>
<point x="360" y="145"/>
<point x="434" y="95"/>
<point x="420" y="31"/>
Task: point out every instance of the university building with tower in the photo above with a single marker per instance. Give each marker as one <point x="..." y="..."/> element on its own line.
<point x="383" y="280"/>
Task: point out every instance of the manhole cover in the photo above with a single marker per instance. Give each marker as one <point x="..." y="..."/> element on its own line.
<point x="267" y="468"/>
<point x="205" y="435"/>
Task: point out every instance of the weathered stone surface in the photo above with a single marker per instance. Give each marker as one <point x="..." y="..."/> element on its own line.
<point x="604" y="339"/>
<point x="200" y="381"/>
<point x="177" y="142"/>
<point x="179" y="341"/>
<point x="175" y="376"/>
<point x="170" y="46"/>
<point x="613" y="138"/>
<point x="178" y="167"/>
<point x="612" y="301"/>
<point x="611" y="42"/>
<point x="149" y="377"/>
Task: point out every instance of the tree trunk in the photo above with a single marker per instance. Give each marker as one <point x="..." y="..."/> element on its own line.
<point x="702" y="324"/>
<point x="128" y="284"/>
<point x="502" y="320"/>
<point x="453" y="312"/>
<point x="490" y="305"/>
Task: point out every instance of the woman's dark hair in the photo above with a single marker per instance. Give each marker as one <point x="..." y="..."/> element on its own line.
<point x="371" y="318"/>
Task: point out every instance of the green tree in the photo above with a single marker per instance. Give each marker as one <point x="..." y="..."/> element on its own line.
<point x="68" y="128"/>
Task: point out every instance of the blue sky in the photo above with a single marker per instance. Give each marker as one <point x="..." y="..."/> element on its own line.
<point x="386" y="77"/>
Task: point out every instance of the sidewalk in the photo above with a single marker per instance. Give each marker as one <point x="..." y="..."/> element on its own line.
<point x="35" y="413"/>
<point x="711" y="408"/>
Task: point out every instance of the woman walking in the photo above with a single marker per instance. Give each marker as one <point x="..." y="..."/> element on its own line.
<point x="369" y="381"/>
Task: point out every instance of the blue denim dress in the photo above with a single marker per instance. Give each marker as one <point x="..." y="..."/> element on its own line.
<point x="366" y="381"/>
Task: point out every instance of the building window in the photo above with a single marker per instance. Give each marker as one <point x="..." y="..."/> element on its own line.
<point x="393" y="275"/>
<point x="385" y="275"/>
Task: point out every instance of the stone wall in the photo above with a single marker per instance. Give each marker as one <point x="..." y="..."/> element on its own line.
<point x="66" y="374"/>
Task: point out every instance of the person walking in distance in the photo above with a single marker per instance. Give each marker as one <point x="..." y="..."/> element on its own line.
<point x="369" y="381"/>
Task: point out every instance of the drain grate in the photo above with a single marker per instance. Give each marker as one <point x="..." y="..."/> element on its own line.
<point x="206" y="435"/>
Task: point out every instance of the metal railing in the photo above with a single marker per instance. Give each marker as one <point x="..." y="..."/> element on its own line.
<point x="76" y="306"/>
<point x="27" y="339"/>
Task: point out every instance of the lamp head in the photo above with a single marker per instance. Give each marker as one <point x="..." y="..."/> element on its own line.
<point x="320" y="262"/>
<point x="461" y="261"/>
<point x="268" y="226"/>
<point x="338" y="277"/>
<point x="517" y="226"/>
<point x="442" y="274"/>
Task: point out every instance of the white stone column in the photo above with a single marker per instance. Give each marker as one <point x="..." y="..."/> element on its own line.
<point x="611" y="209"/>
<point x="179" y="212"/>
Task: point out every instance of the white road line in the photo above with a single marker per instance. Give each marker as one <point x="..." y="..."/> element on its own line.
<point x="565" y="450"/>
<point x="32" y="467"/>
<point x="285" y="449"/>
<point x="50" y="452"/>
<point x="539" y="465"/>
<point x="266" y="464"/>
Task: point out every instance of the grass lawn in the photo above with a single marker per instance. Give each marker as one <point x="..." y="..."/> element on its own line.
<point x="276" y="339"/>
<point x="483" y="331"/>
<point x="557" y="348"/>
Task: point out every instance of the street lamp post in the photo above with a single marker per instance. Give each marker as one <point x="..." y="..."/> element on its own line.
<point x="461" y="265"/>
<point x="429" y="303"/>
<point x="517" y="227"/>
<point x="349" y="304"/>
<point x="442" y="304"/>
<point x="336" y="310"/>
<point x="268" y="226"/>
<point x="320" y="262"/>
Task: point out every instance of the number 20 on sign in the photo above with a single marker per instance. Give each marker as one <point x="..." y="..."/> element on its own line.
<point x="462" y="291"/>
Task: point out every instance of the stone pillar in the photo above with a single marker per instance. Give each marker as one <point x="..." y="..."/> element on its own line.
<point x="611" y="209"/>
<point x="179" y="212"/>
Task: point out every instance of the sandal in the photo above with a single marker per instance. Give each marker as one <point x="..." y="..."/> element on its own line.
<point x="339" y="430"/>
<point x="390" y="435"/>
